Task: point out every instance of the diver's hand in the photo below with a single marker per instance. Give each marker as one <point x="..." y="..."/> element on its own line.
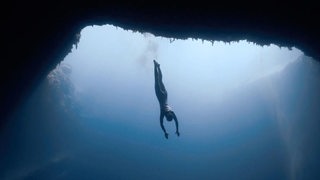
<point x="178" y="134"/>
<point x="166" y="135"/>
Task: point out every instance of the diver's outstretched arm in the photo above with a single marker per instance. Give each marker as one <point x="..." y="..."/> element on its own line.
<point x="162" y="127"/>
<point x="177" y="124"/>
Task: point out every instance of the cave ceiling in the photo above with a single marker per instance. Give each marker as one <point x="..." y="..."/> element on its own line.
<point x="37" y="36"/>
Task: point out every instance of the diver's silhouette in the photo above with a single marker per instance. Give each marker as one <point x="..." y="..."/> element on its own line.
<point x="165" y="110"/>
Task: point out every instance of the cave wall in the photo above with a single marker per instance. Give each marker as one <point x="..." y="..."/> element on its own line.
<point x="37" y="36"/>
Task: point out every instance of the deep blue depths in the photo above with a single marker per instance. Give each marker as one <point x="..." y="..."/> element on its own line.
<point x="266" y="130"/>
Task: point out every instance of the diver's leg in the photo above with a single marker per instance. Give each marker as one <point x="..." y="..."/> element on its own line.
<point x="161" y="85"/>
<point x="156" y="73"/>
<point x="157" y="85"/>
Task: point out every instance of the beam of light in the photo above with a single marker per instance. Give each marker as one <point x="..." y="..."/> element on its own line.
<point x="113" y="70"/>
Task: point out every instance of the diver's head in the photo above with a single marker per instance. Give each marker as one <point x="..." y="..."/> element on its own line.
<point x="169" y="115"/>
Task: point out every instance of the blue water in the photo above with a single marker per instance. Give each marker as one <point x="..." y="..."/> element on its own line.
<point x="245" y="112"/>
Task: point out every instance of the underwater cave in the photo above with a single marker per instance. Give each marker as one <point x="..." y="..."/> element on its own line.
<point x="78" y="98"/>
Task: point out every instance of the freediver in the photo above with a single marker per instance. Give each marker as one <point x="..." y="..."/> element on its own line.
<point x="162" y="95"/>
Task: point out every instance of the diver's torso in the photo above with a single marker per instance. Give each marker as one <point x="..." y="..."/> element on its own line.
<point x="165" y="107"/>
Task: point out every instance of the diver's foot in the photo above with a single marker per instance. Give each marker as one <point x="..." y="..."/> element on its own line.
<point x="156" y="63"/>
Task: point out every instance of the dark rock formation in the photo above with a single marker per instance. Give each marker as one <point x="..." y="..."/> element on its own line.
<point x="38" y="36"/>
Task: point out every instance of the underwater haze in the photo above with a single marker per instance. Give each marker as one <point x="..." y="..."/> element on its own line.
<point x="244" y="111"/>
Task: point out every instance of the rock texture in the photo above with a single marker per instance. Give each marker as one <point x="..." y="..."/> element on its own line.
<point x="36" y="36"/>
